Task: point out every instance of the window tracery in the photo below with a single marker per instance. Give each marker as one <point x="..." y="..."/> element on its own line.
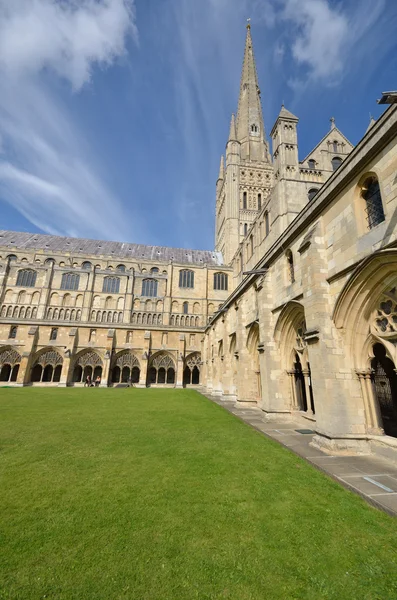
<point x="385" y="321"/>
<point x="26" y="278"/>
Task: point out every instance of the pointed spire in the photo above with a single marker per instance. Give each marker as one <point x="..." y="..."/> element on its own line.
<point x="286" y="114"/>
<point x="249" y="125"/>
<point x="232" y="133"/>
<point x="222" y="168"/>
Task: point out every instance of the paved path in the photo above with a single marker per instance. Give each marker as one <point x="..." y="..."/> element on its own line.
<point x="373" y="478"/>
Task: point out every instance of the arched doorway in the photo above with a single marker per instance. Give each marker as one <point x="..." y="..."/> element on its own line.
<point x="191" y="372"/>
<point x="300" y="391"/>
<point x="87" y="363"/>
<point x="125" y="368"/>
<point x="9" y="365"/>
<point x="47" y="367"/>
<point x="384" y="381"/>
<point x="161" y="370"/>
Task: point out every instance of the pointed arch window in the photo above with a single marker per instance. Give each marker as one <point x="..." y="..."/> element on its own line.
<point x="244" y="200"/>
<point x="54" y="333"/>
<point x="311" y="193"/>
<point x="149" y="287"/>
<point x="186" y="279"/>
<point x="26" y="278"/>
<point x="254" y="128"/>
<point x="111" y="285"/>
<point x="245" y="229"/>
<point x="13" y="332"/>
<point x="336" y="163"/>
<point x="259" y="201"/>
<point x="70" y="281"/>
<point x="373" y="202"/>
<point x="220" y="281"/>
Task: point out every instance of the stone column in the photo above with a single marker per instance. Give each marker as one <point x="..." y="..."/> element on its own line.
<point x="180" y="362"/>
<point x="306" y="376"/>
<point x="145" y="360"/>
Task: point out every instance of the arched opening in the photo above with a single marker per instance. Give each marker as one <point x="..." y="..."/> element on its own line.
<point x="384" y="381"/>
<point x="77" y="374"/>
<point x="191" y="372"/>
<point x="5" y="373"/>
<point x="47" y="373"/>
<point x="135" y="375"/>
<point x="116" y="374"/>
<point x="36" y="373"/>
<point x="300" y="391"/>
<point x="161" y="370"/>
<point x="14" y="373"/>
<point x="57" y="374"/>
<point x="125" y="375"/>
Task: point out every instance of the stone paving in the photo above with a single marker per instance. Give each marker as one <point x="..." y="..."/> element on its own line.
<point x="372" y="477"/>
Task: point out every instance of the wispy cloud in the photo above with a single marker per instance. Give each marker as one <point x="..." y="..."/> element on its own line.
<point x="323" y="34"/>
<point x="47" y="169"/>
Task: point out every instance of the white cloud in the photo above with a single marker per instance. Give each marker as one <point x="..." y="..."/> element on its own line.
<point x="325" y="34"/>
<point x="49" y="172"/>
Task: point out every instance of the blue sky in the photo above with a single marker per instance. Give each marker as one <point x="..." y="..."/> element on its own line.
<point x="114" y="113"/>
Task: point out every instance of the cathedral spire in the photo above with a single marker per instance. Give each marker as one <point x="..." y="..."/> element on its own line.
<point x="250" y="128"/>
<point x="232" y="132"/>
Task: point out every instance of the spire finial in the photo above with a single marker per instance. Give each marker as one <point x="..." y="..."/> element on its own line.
<point x="249" y="23"/>
<point x="232" y="133"/>
<point x="332" y="119"/>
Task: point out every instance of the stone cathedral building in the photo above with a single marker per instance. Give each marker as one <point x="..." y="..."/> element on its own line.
<point x="295" y="311"/>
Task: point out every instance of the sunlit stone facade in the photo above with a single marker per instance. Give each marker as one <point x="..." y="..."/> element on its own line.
<point x="295" y="311"/>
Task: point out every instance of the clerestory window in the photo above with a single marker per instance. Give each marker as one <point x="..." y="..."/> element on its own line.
<point x="70" y="281"/>
<point x="373" y="202"/>
<point x="149" y="287"/>
<point x="26" y="278"/>
<point x="186" y="279"/>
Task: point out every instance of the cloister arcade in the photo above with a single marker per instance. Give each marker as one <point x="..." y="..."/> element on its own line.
<point x="10" y="361"/>
<point x="125" y="368"/>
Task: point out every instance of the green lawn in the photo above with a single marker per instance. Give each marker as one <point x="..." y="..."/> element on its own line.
<point x="158" y="494"/>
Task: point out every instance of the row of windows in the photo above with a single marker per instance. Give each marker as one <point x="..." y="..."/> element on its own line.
<point x="245" y="205"/>
<point x="111" y="285"/>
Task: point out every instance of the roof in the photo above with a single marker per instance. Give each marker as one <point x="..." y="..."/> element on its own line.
<point x="286" y="114"/>
<point x="388" y="98"/>
<point x="14" y="240"/>
<point x="322" y="140"/>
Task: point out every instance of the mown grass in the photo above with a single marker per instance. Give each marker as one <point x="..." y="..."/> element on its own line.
<point x="158" y="494"/>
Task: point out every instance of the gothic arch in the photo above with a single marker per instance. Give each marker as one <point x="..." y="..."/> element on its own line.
<point x="125" y="368"/>
<point x="87" y="362"/>
<point x="10" y="361"/>
<point x="46" y="366"/>
<point x="161" y="369"/>
<point x="192" y="369"/>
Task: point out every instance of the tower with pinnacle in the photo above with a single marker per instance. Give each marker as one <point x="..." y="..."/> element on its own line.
<point x="246" y="177"/>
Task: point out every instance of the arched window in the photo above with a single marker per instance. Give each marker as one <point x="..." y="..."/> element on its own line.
<point x="13" y="332"/>
<point x="259" y="201"/>
<point x="220" y="281"/>
<point x="336" y="162"/>
<point x="311" y="163"/>
<point x="111" y="285"/>
<point x="11" y="258"/>
<point x="267" y="226"/>
<point x="186" y="279"/>
<point x="149" y="287"/>
<point x="373" y="200"/>
<point x="254" y="128"/>
<point x="120" y="268"/>
<point x="335" y="146"/>
<point x="70" y="281"/>
<point x="185" y="308"/>
<point x="245" y="229"/>
<point x="49" y="261"/>
<point x="54" y="333"/>
<point x="311" y="193"/>
<point x="244" y="199"/>
<point x="87" y="266"/>
<point x="154" y="270"/>
<point x="290" y="264"/>
<point x="26" y="278"/>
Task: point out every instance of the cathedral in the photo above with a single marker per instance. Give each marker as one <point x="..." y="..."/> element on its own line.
<point x="295" y="311"/>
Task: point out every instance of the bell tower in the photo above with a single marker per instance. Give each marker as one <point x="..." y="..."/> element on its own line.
<point x="246" y="178"/>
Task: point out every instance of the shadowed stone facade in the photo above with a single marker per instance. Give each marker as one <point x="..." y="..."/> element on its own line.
<point x="312" y="336"/>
